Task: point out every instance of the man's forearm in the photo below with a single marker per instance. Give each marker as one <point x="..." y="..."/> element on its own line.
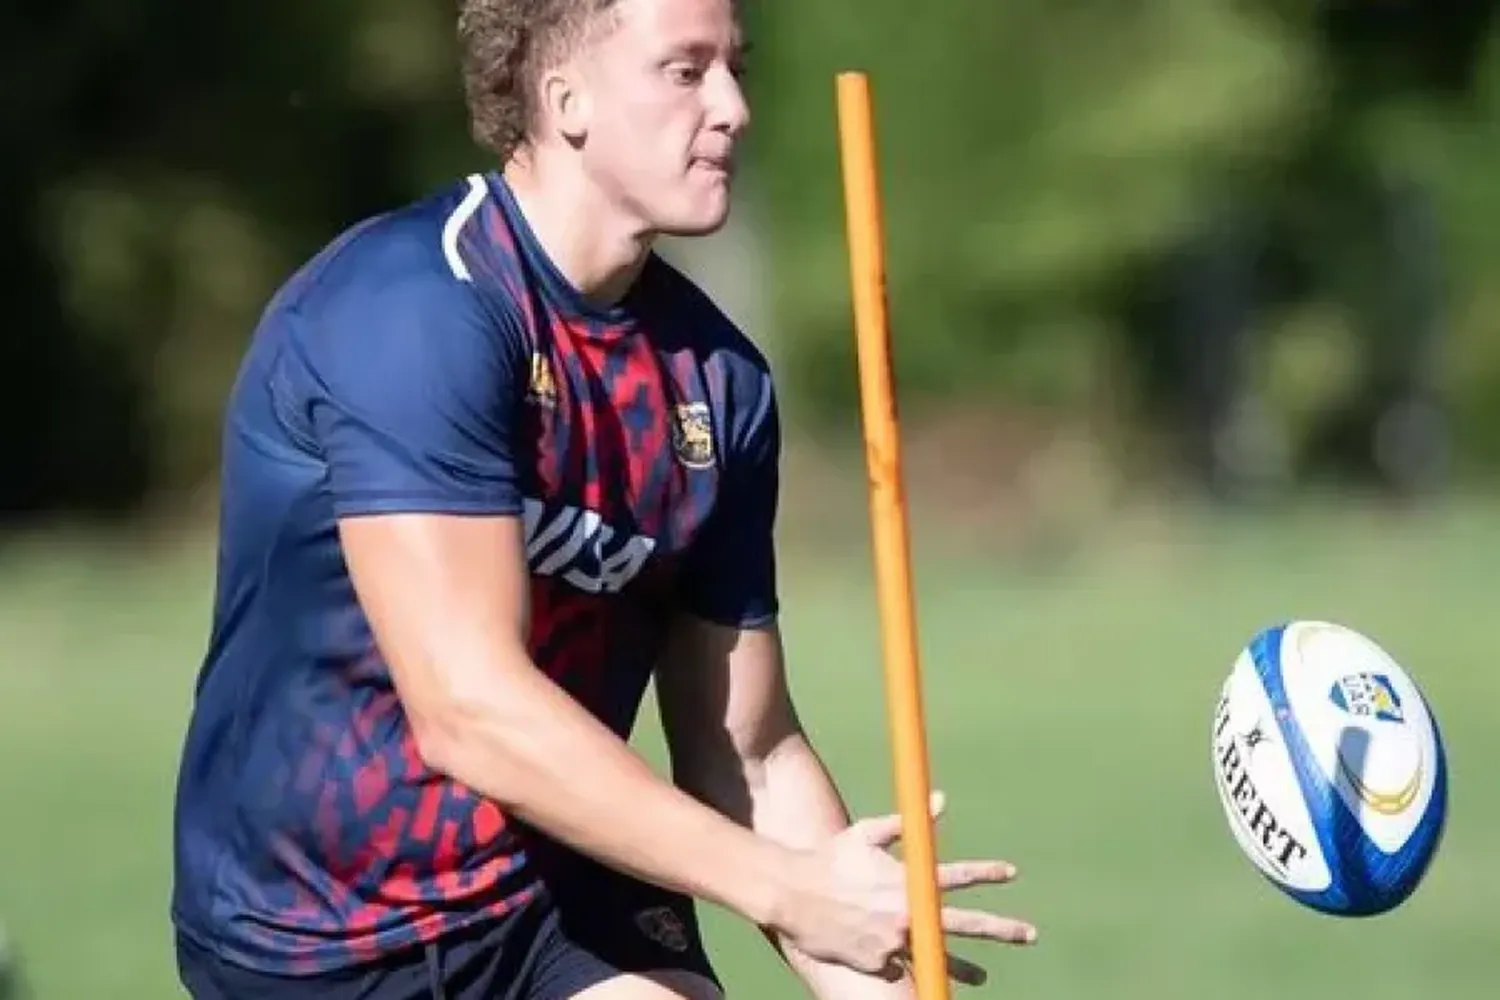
<point x="794" y="801"/>
<point x="526" y="744"/>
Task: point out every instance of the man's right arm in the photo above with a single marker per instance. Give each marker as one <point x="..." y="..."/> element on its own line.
<point x="412" y="392"/>
<point x="445" y="596"/>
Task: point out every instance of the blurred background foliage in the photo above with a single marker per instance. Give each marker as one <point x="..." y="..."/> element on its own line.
<point x="1141" y="252"/>
<point x="1048" y="168"/>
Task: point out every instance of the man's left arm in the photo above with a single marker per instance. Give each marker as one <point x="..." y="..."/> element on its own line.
<point x="736" y="744"/>
<point x="732" y="732"/>
<point x="734" y="736"/>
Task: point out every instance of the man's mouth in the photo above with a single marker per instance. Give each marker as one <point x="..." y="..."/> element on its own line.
<point x="721" y="165"/>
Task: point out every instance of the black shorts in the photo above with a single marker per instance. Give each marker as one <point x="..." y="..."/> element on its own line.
<point x="587" y="927"/>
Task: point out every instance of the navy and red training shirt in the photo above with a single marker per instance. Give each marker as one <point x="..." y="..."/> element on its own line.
<point x="433" y="359"/>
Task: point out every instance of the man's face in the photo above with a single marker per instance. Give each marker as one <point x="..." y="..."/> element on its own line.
<point x="660" y="108"/>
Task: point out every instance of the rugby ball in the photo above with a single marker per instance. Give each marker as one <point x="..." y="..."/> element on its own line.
<point x="1330" y="768"/>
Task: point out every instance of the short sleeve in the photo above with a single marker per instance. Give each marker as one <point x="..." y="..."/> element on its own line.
<point x="730" y="577"/>
<point x="412" y="400"/>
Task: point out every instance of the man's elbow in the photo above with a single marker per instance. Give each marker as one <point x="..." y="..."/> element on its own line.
<point x="732" y="772"/>
<point x="757" y="743"/>
<point x="445" y="733"/>
<point x="460" y="735"/>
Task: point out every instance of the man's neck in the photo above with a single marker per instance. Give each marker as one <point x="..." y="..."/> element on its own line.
<point x="599" y="253"/>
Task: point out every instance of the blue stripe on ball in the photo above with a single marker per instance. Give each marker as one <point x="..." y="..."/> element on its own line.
<point x="1365" y="881"/>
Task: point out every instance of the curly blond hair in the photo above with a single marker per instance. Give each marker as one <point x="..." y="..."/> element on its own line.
<point x="505" y="46"/>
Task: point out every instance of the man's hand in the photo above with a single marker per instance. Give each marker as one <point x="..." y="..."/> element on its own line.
<point x="852" y="906"/>
<point x="737" y="744"/>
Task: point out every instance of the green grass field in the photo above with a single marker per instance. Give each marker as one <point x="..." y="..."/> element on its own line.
<point x="1068" y="715"/>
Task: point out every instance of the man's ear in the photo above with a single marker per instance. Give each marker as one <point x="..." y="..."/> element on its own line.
<point x="564" y="103"/>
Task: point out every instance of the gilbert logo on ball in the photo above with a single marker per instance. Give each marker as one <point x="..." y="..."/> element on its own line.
<point x="1330" y="768"/>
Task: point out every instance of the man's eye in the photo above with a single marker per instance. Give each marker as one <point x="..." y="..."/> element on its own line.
<point x="684" y="73"/>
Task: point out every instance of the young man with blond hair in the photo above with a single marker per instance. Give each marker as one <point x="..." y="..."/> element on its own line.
<point x="490" y="466"/>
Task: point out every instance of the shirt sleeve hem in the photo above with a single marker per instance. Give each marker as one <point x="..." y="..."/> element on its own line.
<point x="751" y="621"/>
<point x="498" y="506"/>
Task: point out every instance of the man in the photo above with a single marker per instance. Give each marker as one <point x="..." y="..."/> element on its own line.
<point x="488" y="464"/>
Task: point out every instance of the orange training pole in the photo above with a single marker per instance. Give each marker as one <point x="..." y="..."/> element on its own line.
<point x="892" y="549"/>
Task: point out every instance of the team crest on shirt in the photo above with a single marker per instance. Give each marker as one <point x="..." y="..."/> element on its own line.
<point x="693" y="435"/>
<point x="542" y="388"/>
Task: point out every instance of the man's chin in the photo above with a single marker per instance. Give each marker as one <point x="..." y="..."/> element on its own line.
<point x="689" y="230"/>
<point x="703" y="219"/>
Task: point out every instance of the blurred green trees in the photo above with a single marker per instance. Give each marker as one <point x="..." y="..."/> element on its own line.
<point x="1041" y="162"/>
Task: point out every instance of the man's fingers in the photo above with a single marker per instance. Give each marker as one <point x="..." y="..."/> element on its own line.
<point x="961" y="970"/>
<point x="987" y="926"/>
<point x="883" y="831"/>
<point x="962" y="874"/>
<point x="877" y="831"/>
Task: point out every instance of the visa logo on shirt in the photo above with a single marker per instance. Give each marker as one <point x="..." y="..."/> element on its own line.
<point x="575" y="544"/>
